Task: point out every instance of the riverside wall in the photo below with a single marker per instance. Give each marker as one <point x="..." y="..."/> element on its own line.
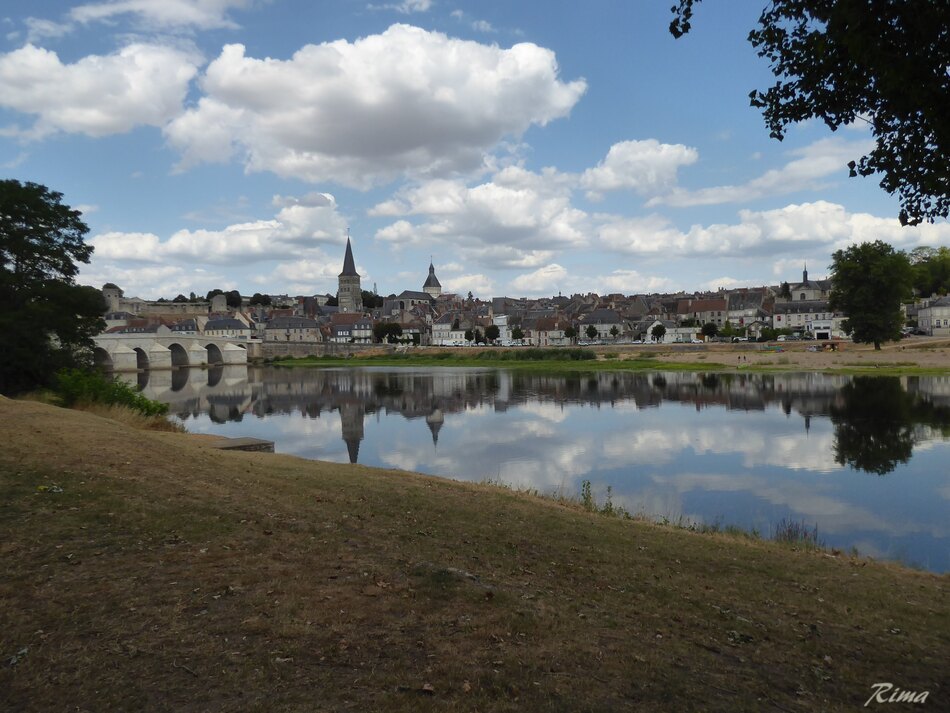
<point x="279" y="350"/>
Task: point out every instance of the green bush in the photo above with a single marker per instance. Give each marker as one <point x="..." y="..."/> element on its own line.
<point x="75" y="386"/>
<point x="538" y="354"/>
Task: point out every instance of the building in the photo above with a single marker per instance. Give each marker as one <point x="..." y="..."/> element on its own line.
<point x="432" y="285"/>
<point x="934" y="317"/>
<point x="704" y="311"/>
<point x="349" y="328"/>
<point x="227" y="327"/>
<point x="809" y="316"/>
<point x="349" y="295"/>
<point x="807" y="290"/>
<point x="292" y="329"/>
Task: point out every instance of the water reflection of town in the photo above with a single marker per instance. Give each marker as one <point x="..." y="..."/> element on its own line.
<point x="877" y="419"/>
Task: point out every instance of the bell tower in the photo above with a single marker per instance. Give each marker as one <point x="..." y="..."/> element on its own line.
<point x="349" y="296"/>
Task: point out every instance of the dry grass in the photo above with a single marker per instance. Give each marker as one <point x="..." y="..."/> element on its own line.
<point x="131" y="417"/>
<point x="146" y="571"/>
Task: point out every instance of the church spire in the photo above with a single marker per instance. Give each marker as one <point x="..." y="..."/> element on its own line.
<point x="432" y="285"/>
<point x="804" y="272"/>
<point x="349" y="267"/>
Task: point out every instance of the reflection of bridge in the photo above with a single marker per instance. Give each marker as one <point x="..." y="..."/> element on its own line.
<point x="157" y="350"/>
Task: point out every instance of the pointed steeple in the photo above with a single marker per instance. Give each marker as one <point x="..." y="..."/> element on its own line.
<point x="432" y="286"/>
<point x="434" y="421"/>
<point x="432" y="280"/>
<point x="804" y="273"/>
<point x="349" y="268"/>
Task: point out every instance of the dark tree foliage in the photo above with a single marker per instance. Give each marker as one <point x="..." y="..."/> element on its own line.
<point x="591" y="331"/>
<point x="869" y="282"/>
<point x="710" y="329"/>
<point x="47" y="320"/>
<point x="371" y="300"/>
<point x="212" y="294"/>
<point x="876" y="423"/>
<point x="658" y="332"/>
<point x="233" y="298"/>
<point x="492" y="332"/>
<point x="258" y="299"/>
<point x="880" y="61"/>
<point x="517" y="333"/>
<point x="931" y="268"/>
<point x="387" y="331"/>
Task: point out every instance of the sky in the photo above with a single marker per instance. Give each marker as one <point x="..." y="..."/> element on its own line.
<point x="527" y="148"/>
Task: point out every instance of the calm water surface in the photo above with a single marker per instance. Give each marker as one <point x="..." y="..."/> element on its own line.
<point x="865" y="458"/>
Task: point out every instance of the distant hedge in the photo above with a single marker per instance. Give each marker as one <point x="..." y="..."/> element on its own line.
<point x="536" y="354"/>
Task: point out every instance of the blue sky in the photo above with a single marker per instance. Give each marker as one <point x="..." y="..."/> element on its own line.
<point x="529" y="148"/>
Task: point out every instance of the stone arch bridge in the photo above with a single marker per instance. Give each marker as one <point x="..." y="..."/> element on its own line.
<point x="150" y="350"/>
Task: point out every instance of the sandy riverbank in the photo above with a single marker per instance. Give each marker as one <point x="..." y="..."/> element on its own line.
<point x="921" y="352"/>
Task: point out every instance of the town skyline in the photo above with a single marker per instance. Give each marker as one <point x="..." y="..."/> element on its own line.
<point x="527" y="150"/>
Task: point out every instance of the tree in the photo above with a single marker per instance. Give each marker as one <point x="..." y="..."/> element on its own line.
<point x="518" y="334"/>
<point x="880" y="61"/>
<point x="258" y="299"/>
<point x="233" y="298"/>
<point x="469" y="335"/>
<point x="47" y="320"/>
<point x="591" y="331"/>
<point x="786" y="291"/>
<point x="570" y="333"/>
<point x="387" y="331"/>
<point x="931" y="268"/>
<point x="492" y="332"/>
<point x="371" y="300"/>
<point x="614" y="332"/>
<point x="212" y="294"/>
<point x="710" y="330"/>
<point x="869" y="281"/>
<point x="658" y="332"/>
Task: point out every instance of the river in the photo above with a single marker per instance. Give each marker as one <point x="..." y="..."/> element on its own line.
<point x="863" y="459"/>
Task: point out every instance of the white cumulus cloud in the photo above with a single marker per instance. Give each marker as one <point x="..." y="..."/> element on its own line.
<point x="824" y="158"/>
<point x="646" y="167"/>
<point x="404" y="102"/>
<point x="797" y="228"/>
<point x="141" y="84"/>
<point x="297" y="232"/>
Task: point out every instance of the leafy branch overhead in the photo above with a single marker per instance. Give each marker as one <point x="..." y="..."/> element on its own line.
<point x="880" y="61"/>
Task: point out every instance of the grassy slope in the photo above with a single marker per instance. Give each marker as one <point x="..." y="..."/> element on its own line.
<point x="170" y="576"/>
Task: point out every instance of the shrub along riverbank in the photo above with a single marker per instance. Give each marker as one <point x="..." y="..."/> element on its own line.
<point x="524" y="358"/>
<point x="146" y="570"/>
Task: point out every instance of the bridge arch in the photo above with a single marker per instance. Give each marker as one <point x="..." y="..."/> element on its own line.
<point x="141" y="359"/>
<point x="102" y="359"/>
<point x="179" y="354"/>
<point x="214" y="353"/>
